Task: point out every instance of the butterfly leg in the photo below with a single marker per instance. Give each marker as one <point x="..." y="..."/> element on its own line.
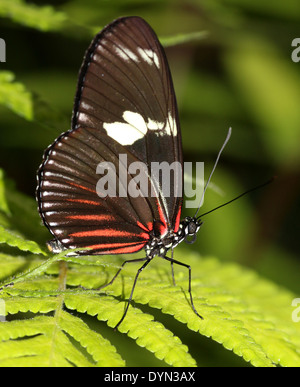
<point x="190" y="281"/>
<point x="133" y="286"/>
<point x="119" y="271"/>
<point x="172" y="268"/>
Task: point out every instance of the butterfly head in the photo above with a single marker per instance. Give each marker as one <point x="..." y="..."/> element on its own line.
<point x="190" y="227"/>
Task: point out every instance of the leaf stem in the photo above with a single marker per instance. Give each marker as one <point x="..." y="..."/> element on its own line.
<point x="32" y="272"/>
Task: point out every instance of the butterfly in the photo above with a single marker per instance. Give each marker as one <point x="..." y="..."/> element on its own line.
<point x="125" y="105"/>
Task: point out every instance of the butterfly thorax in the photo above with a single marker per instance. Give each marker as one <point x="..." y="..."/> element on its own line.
<point x="187" y="231"/>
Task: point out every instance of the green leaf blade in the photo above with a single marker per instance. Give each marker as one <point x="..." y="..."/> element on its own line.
<point x="15" y="96"/>
<point x="139" y="326"/>
<point x="44" y="18"/>
<point x="15" y="239"/>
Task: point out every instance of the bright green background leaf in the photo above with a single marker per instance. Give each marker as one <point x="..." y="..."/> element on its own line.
<point x="15" y="96"/>
<point x="44" y="18"/>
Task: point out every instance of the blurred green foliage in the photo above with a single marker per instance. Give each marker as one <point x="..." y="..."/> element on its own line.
<point x="231" y="65"/>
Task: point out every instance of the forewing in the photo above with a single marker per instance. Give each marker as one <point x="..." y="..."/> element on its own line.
<point x="125" y="90"/>
<point x="125" y="105"/>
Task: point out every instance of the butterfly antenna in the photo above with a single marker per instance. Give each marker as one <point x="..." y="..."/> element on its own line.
<point x="244" y="193"/>
<point x="213" y="170"/>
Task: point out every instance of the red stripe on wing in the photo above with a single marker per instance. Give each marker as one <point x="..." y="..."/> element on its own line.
<point x="177" y="221"/>
<point x="118" y="248"/>
<point x="82" y="187"/>
<point x="161" y="225"/>
<point x="91" y="217"/>
<point x="84" y="201"/>
<point x="108" y="233"/>
<point x="148" y="229"/>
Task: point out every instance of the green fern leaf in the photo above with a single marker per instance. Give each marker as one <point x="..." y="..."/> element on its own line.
<point x="233" y="313"/>
<point x="11" y="264"/>
<point x="218" y="322"/>
<point x="44" y="18"/>
<point x="54" y="348"/>
<point x="16" y="304"/>
<point x="19" y="220"/>
<point x="236" y="304"/>
<point x="46" y="342"/>
<point x="14" y="95"/>
<point x="3" y="202"/>
<point x="139" y="326"/>
<point x="148" y="333"/>
<point x="15" y="239"/>
<point x="247" y="314"/>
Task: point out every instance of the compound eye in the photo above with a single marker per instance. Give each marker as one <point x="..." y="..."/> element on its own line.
<point x="192" y="228"/>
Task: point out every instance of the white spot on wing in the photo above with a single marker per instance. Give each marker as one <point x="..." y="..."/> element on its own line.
<point x="136" y="120"/>
<point x="50" y="213"/>
<point x="125" y="53"/>
<point x="47" y="205"/>
<point x="154" y="125"/>
<point x="156" y="60"/>
<point x="85" y="105"/>
<point x="149" y="56"/>
<point x="171" y="127"/>
<point x="121" y="53"/>
<point x="127" y="134"/>
<point x="83" y="117"/>
<point x="135" y="128"/>
<point x="124" y="134"/>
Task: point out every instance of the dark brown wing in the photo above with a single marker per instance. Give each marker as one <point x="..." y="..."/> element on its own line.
<point x="125" y="105"/>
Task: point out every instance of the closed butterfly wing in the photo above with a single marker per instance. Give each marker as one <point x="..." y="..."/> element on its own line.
<point x="125" y="105"/>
